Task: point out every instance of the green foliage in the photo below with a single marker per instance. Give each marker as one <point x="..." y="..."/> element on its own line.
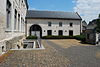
<point x="58" y="37"/>
<point x="81" y="37"/>
<point x="78" y="37"/>
<point x="97" y="28"/>
<point x="99" y="16"/>
<point x="31" y="37"/>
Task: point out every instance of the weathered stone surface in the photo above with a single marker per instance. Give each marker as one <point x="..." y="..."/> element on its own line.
<point x="36" y="58"/>
<point x="66" y="53"/>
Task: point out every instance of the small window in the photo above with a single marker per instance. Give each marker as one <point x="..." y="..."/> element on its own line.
<point x="54" y="30"/>
<point x="65" y="30"/>
<point x="49" y="23"/>
<point x="71" y="24"/>
<point x="60" y="24"/>
<point x="2" y="48"/>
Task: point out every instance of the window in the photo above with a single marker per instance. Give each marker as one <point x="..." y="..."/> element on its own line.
<point x="21" y="24"/>
<point x="60" y="24"/>
<point x="70" y="32"/>
<point x="65" y="30"/>
<point x="54" y="30"/>
<point x="15" y="23"/>
<point x="49" y="23"/>
<point x="8" y="10"/>
<point x="49" y="32"/>
<point x="71" y="24"/>
<point x="18" y="21"/>
<point x="3" y="49"/>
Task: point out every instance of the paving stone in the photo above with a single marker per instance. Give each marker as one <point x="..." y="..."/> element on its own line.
<point x="36" y="58"/>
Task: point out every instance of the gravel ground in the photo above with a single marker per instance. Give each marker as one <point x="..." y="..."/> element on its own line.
<point x="49" y="57"/>
<point x="80" y="55"/>
<point x="58" y="53"/>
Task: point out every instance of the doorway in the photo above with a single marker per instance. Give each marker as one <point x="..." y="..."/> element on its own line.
<point x="36" y="30"/>
<point x="60" y="32"/>
<point x="70" y="32"/>
<point x="49" y="32"/>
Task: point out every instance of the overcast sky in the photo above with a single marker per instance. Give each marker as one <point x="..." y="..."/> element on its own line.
<point x="88" y="9"/>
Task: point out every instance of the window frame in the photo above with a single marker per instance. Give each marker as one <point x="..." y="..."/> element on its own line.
<point x="60" y="24"/>
<point x="49" y="24"/>
<point x="8" y="14"/>
<point x="71" y="24"/>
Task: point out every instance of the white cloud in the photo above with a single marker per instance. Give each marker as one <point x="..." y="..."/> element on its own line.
<point x="88" y="9"/>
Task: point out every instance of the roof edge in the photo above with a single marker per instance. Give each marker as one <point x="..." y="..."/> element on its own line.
<point x="78" y="15"/>
<point x="52" y="18"/>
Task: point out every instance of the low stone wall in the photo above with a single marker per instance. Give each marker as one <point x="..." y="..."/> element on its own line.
<point x="11" y="43"/>
<point x="14" y="43"/>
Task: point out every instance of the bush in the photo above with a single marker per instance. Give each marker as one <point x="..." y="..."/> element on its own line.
<point x="31" y="37"/>
<point x="58" y="37"/>
<point x="81" y="37"/>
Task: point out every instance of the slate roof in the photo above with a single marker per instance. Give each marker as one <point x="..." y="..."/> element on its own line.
<point x="52" y="15"/>
<point x="91" y="24"/>
<point x="84" y="23"/>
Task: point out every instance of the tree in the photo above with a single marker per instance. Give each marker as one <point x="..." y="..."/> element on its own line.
<point x="99" y="16"/>
<point x="98" y="25"/>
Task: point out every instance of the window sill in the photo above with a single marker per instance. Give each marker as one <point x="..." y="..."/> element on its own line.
<point x="8" y="30"/>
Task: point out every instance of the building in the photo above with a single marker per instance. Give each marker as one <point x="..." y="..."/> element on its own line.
<point x="12" y="23"/>
<point x="43" y="23"/>
<point x="92" y="36"/>
<point x="84" y="26"/>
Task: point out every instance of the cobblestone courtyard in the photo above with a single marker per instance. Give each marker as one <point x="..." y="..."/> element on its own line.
<point x="58" y="53"/>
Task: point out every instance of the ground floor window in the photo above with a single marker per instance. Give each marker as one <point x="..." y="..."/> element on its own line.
<point x="60" y="32"/>
<point x="2" y="48"/>
<point x="49" y="32"/>
<point x="70" y="32"/>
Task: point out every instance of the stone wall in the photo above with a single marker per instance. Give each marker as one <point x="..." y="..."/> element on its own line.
<point x="55" y="26"/>
<point x="8" y="39"/>
<point x="11" y="43"/>
<point x="2" y="18"/>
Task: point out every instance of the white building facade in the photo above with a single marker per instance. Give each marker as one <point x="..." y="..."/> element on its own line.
<point x="12" y="23"/>
<point x="45" y="23"/>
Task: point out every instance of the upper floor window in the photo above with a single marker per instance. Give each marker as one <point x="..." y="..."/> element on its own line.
<point x="60" y="24"/>
<point x="71" y="24"/>
<point x="8" y="10"/>
<point x="15" y="23"/>
<point x="18" y="21"/>
<point x="49" y="23"/>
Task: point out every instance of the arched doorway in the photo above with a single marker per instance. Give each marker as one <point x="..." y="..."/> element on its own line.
<point x="36" y="30"/>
